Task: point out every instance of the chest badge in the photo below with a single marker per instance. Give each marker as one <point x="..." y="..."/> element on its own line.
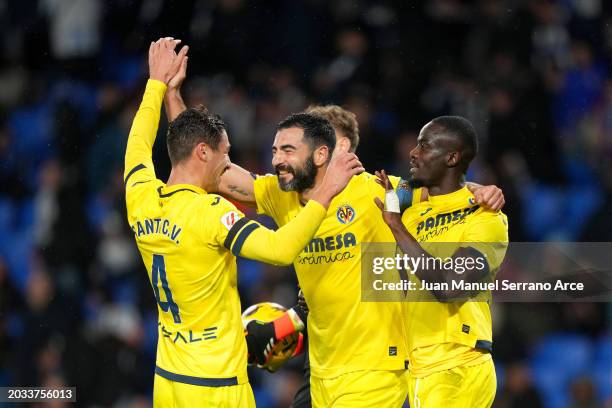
<point x="345" y="214"/>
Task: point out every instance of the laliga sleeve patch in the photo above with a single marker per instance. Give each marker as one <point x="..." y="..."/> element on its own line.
<point x="229" y="219"/>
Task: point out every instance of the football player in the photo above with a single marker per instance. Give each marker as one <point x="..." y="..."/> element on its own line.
<point x="189" y="239"/>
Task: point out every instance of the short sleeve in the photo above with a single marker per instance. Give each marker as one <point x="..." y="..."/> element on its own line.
<point x="488" y="234"/>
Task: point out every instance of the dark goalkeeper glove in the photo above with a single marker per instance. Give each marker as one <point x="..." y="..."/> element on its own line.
<point x="261" y="337"/>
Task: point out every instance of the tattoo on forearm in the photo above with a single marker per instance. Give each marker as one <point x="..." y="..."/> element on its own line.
<point x="236" y="189"/>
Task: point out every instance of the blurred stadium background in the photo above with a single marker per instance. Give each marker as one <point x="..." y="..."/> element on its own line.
<point x="534" y="76"/>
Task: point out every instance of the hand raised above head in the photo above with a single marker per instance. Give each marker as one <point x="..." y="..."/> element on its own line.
<point x="164" y="63"/>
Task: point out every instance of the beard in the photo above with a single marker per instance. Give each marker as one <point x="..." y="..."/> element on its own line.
<point x="303" y="178"/>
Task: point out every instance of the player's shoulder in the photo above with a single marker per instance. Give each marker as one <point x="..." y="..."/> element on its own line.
<point x="151" y="184"/>
<point x="362" y="182"/>
<point x="216" y="203"/>
<point x="365" y="177"/>
<point x="267" y="180"/>
<point x="142" y="193"/>
<point x="483" y="213"/>
<point x="370" y="179"/>
<point x="487" y="221"/>
<point x="216" y="209"/>
<point x="497" y="217"/>
<point x="267" y="188"/>
<point x="266" y="184"/>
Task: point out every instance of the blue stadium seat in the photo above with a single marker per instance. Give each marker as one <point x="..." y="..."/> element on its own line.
<point x="602" y="371"/>
<point x="17" y="251"/>
<point x="558" y="360"/>
<point x="7" y="214"/>
<point x="26" y="214"/>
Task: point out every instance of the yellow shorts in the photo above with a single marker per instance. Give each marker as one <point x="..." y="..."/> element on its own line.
<point x="460" y="387"/>
<point x="385" y="389"/>
<point x="173" y="394"/>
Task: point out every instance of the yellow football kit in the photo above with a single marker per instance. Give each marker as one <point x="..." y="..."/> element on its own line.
<point x="449" y="343"/>
<point x="345" y="335"/>
<point x="189" y="241"/>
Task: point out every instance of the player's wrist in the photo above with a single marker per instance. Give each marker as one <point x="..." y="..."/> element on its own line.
<point x="394" y="223"/>
<point x="323" y="195"/>
<point x="323" y="201"/>
<point x="287" y="324"/>
<point x="298" y="317"/>
<point x="392" y="203"/>
<point x="173" y="93"/>
<point x="159" y="78"/>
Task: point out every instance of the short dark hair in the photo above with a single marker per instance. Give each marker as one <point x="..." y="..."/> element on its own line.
<point x="317" y="130"/>
<point x="193" y="126"/>
<point x="341" y="119"/>
<point x="463" y="131"/>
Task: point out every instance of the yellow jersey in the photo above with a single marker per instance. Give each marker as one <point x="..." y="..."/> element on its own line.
<point x="446" y="335"/>
<point x="344" y="334"/>
<point x="189" y="241"/>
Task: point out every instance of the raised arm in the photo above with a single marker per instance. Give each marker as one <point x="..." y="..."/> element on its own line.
<point x="163" y="64"/>
<point x="173" y="102"/>
<point x="236" y="183"/>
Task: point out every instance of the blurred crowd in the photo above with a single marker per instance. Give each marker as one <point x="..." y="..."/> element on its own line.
<point x="534" y="76"/>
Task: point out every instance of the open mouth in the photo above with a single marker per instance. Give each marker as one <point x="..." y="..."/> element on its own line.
<point x="283" y="172"/>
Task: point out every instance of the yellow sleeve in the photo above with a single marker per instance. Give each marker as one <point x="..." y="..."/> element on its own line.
<point x="265" y="188"/>
<point x="488" y="234"/>
<point x="250" y="239"/>
<point x="138" y="155"/>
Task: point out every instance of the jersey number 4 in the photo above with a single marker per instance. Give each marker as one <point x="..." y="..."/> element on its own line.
<point x="158" y="272"/>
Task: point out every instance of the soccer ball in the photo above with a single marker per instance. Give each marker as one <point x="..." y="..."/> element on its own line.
<point x="284" y="349"/>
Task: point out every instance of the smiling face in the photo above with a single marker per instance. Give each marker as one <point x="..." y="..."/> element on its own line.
<point x="217" y="162"/>
<point x="433" y="155"/>
<point x="292" y="159"/>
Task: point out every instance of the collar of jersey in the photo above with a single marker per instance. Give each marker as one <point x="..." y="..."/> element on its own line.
<point x="445" y="198"/>
<point x="175" y="187"/>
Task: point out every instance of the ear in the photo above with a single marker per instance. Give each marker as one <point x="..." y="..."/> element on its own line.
<point x="321" y="155"/>
<point x="202" y="151"/>
<point x="453" y="159"/>
<point x="343" y="144"/>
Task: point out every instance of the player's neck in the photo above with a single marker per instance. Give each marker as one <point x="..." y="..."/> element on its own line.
<point x="307" y="194"/>
<point x="446" y="186"/>
<point x="182" y="175"/>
